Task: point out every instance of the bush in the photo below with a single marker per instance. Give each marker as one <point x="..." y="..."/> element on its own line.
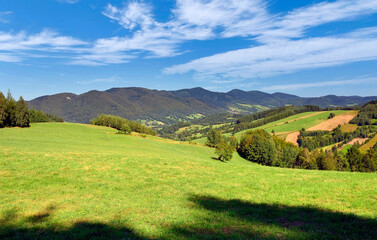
<point x="125" y="129"/>
<point x="117" y="123"/>
<point x="257" y="146"/>
<point x="331" y="115"/>
<point x="214" y="137"/>
<point x="224" y="152"/>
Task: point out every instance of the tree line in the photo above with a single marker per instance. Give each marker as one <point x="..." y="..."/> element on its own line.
<point x="260" y="147"/>
<point x="121" y="124"/>
<point x="16" y="113"/>
<point x="13" y="113"/>
<point x="317" y="139"/>
<point x="367" y="114"/>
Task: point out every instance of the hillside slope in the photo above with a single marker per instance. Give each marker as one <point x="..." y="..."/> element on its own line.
<point x="172" y="106"/>
<point x="71" y="180"/>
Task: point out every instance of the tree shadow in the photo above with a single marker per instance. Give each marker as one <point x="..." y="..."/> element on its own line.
<point x="217" y="159"/>
<point x="217" y="219"/>
<point x="237" y="219"/>
<point x="38" y="226"/>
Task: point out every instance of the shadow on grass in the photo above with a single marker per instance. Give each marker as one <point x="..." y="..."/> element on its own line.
<point x="236" y="219"/>
<point x="217" y="219"/>
<point x="38" y="226"/>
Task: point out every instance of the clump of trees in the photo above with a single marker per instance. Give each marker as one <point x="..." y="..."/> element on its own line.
<point x="317" y="139"/>
<point x="16" y="113"/>
<point x="366" y="115"/>
<point x="224" y="150"/>
<point x="260" y="147"/>
<point x="121" y="124"/>
<point x="37" y="116"/>
<point x="13" y="113"/>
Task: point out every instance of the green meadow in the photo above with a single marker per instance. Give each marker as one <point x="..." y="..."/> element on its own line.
<point x="76" y="181"/>
<point x="296" y="122"/>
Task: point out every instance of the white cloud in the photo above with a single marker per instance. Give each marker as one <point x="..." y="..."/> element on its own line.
<point x="189" y="21"/>
<point x="282" y="57"/>
<point x="284" y="48"/>
<point x="318" y="84"/>
<point x="16" y="47"/>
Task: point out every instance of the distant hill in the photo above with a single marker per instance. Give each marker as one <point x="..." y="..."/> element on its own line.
<point x="171" y="106"/>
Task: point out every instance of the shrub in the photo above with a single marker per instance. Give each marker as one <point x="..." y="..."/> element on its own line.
<point x="224" y="152"/>
<point x="214" y="137"/>
<point x="257" y="146"/>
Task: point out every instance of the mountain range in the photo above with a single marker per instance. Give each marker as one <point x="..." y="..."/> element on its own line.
<point x="171" y="106"/>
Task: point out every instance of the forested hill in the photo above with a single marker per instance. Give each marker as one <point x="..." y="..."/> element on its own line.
<point x="172" y="106"/>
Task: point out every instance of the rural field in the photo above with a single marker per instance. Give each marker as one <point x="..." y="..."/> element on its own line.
<point x="64" y="181"/>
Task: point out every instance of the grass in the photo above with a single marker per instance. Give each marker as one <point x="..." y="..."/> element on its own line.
<point x="64" y="181"/>
<point x="295" y="122"/>
<point x="345" y="148"/>
<point x="364" y="148"/>
<point x="348" y="127"/>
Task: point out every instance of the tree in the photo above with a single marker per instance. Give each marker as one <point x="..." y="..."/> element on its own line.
<point x="258" y="146"/>
<point x="233" y="142"/>
<point x="305" y="160"/>
<point x="354" y="158"/>
<point x="369" y="162"/>
<point x="3" y="113"/>
<point x="22" y="114"/>
<point x="11" y="106"/>
<point x="125" y="129"/>
<point x="331" y="115"/>
<point x="224" y="152"/>
<point x="214" y="137"/>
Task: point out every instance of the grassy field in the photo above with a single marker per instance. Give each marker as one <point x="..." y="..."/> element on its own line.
<point x="368" y="145"/>
<point x="296" y="122"/>
<point x="349" y="127"/>
<point x="65" y="181"/>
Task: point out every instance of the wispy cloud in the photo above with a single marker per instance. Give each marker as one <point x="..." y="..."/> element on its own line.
<point x="4" y="16"/>
<point x="283" y="57"/>
<point x="189" y="21"/>
<point x="16" y="47"/>
<point x="319" y="84"/>
<point x="99" y="80"/>
<point x="68" y="1"/>
<point x="284" y="48"/>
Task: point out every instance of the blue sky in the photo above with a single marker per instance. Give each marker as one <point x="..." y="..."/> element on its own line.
<point x="306" y="47"/>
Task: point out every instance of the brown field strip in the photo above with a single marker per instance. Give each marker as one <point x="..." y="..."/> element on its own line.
<point x="332" y="123"/>
<point x="292" y="138"/>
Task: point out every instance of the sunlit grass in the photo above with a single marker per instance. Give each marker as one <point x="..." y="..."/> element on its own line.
<point x="60" y="179"/>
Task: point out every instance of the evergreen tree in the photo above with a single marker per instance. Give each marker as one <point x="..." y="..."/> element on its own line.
<point x="354" y="158"/>
<point x="11" y="106"/>
<point x="22" y="114"/>
<point x="3" y="106"/>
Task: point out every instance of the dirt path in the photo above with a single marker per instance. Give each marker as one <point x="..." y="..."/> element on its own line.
<point x="292" y="138"/>
<point x="332" y="123"/>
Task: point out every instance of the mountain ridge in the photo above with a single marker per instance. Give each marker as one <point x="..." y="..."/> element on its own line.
<point x="165" y="106"/>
